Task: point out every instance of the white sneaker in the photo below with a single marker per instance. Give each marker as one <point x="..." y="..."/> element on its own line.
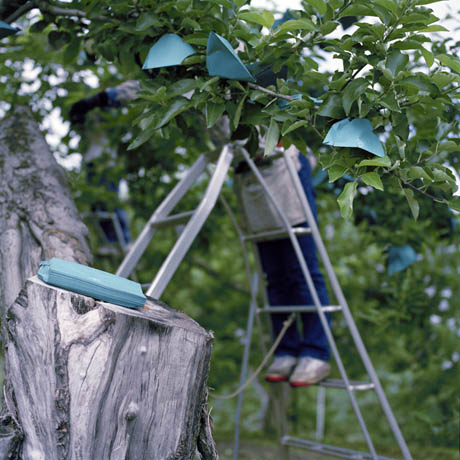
<point x="281" y="368"/>
<point x="309" y="371"/>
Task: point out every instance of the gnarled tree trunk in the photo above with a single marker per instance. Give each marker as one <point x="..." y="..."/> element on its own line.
<point x="84" y="379"/>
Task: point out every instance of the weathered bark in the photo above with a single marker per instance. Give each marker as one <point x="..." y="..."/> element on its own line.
<point x="38" y="218"/>
<point x="84" y="380"/>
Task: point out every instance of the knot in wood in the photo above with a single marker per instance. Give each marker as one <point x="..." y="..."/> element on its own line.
<point x="132" y="411"/>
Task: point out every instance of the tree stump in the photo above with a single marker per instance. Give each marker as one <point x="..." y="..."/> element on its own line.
<point x="84" y="379"/>
<point x="96" y="381"/>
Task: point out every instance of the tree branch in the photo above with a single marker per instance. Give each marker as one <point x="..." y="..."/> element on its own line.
<point x="20" y="11"/>
<point x="58" y="11"/>
<point x="428" y="195"/>
<point x="272" y="93"/>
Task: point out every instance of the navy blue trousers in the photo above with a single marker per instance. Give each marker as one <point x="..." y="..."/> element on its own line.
<point x="286" y="285"/>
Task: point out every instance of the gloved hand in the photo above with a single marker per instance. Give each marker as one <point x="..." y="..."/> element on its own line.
<point x="79" y="110"/>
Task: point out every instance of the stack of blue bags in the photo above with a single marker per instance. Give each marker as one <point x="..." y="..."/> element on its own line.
<point x="92" y="282"/>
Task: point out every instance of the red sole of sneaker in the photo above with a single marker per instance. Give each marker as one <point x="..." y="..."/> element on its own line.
<point x="300" y="384"/>
<point x="276" y="379"/>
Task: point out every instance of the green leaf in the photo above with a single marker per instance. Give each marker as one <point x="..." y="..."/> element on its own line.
<point x="147" y="121"/>
<point x="442" y="79"/>
<point x="175" y="109"/>
<point x="422" y="82"/>
<point x="38" y="27"/>
<point x="434" y="28"/>
<point x="144" y="137"/>
<point x="296" y="24"/>
<point x="71" y="51"/>
<point x="206" y="86"/>
<point x="450" y="61"/>
<point x="417" y="172"/>
<point x="372" y="179"/>
<point x="389" y="5"/>
<point x="380" y="161"/>
<point x="181" y="87"/>
<point x="294" y="126"/>
<point x="332" y="107"/>
<point x="263" y="18"/>
<point x="352" y="92"/>
<point x="396" y="61"/>
<point x="345" y="199"/>
<point x="195" y="59"/>
<point x="272" y="138"/>
<point x="319" y="5"/>
<point x="400" y="124"/>
<point x="328" y="27"/>
<point x="147" y="20"/>
<point x="442" y="176"/>
<point x="427" y="55"/>
<point x="390" y="102"/>
<point x="454" y="203"/>
<point x="336" y="172"/>
<point x="413" y="203"/>
<point x="213" y="113"/>
<point x="58" y="39"/>
<point x="239" y="109"/>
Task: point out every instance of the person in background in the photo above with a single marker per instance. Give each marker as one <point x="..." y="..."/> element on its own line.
<point x="98" y="145"/>
<point x="301" y="357"/>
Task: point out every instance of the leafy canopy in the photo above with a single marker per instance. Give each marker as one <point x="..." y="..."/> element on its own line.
<point x="392" y="72"/>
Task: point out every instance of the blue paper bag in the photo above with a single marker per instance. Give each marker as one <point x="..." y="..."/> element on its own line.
<point x="92" y="282"/>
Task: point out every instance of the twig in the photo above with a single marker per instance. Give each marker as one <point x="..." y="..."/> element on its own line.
<point x="434" y="198"/>
<point x="426" y="159"/>
<point x="20" y="11"/>
<point x="353" y="76"/>
<point x="58" y="11"/>
<point x="272" y="93"/>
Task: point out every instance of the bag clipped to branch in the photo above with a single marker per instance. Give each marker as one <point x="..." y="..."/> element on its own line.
<point x="92" y="282"/>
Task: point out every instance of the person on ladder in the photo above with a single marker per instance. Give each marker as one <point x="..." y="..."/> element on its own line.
<point x="301" y="357"/>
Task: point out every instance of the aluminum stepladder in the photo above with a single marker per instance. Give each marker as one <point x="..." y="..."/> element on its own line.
<point x="196" y="219"/>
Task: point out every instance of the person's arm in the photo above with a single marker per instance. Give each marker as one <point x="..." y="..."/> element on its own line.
<point x="112" y="97"/>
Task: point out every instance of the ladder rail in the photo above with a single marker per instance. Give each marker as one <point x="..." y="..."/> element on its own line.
<point x="315" y="297"/>
<point x="346" y="312"/>
<point x="194" y="225"/>
<point x="167" y="205"/>
<point x="244" y="367"/>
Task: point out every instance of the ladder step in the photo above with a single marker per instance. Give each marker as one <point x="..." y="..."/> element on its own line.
<point x="297" y="308"/>
<point x="326" y="449"/>
<point x="172" y="220"/>
<point x="354" y="385"/>
<point x="274" y="234"/>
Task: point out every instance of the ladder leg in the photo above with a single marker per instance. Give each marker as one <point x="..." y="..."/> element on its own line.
<point x="244" y="367"/>
<point x="314" y="294"/>
<point x="194" y="225"/>
<point x="283" y="406"/>
<point x="320" y="412"/>
<point x="140" y="245"/>
<point x="348" y="316"/>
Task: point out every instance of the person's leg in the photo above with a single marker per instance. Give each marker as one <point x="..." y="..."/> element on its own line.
<point x="276" y="267"/>
<point x="122" y="217"/>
